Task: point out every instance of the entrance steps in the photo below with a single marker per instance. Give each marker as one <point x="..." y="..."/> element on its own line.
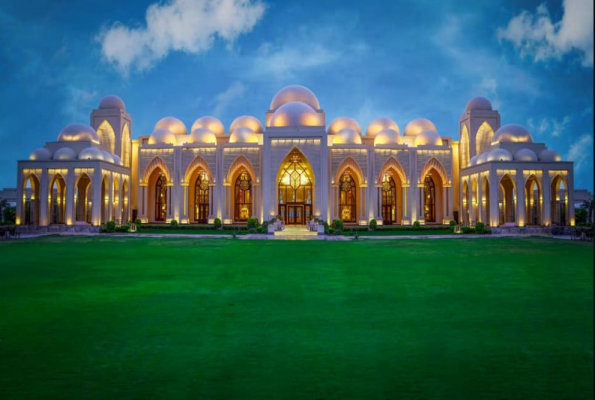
<point x="295" y="232"/>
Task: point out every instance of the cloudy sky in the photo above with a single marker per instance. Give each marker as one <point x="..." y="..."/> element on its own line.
<point x="365" y="59"/>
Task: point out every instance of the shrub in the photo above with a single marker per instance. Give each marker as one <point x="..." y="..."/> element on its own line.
<point x="122" y="228"/>
<point x="337" y="224"/>
<point x="416" y="226"/>
<point x="252" y="230"/>
<point x="467" y="229"/>
<point x="137" y="222"/>
<point x="173" y="224"/>
<point x="252" y="223"/>
<point x="259" y="230"/>
<point x="480" y="227"/>
<point x="217" y="223"/>
<point x="338" y="231"/>
<point x="451" y="224"/>
<point x="110" y="226"/>
<point x="331" y="231"/>
<point x="373" y="225"/>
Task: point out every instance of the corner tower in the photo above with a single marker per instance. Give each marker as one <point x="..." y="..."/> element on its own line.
<point x="114" y="126"/>
<point x="476" y="129"/>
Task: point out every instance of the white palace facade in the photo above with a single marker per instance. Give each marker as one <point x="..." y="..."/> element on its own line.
<point x="297" y="167"/>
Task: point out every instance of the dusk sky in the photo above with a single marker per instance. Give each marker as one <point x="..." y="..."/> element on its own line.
<point x="364" y="59"/>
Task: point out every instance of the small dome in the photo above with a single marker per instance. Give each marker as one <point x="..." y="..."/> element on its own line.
<point x="202" y="136"/>
<point x="243" y="135"/>
<point x="64" y="154"/>
<point x="428" y="137"/>
<point x="473" y="161"/>
<point x="295" y="114"/>
<point x="342" y="123"/>
<point x="91" y="153"/>
<point x="525" y="155"/>
<point x="419" y="125"/>
<point x="295" y="93"/>
<point x="388" y="136"/>
<point x="347" y="136"/>
<point x="107" y="156"/>
<point x="548" y="155"/>
<point x="512" y="133"/>
<point x="117" y="159"/>
<point x="211" y="123"/>
<point x="162" y="136"/>
<point x="380" y="124"/>
<point x="78" y="132"/>
<point x="246" y="121"/>
<point x="41" y="154"/>
<point x="499" y="155"/>
<point x="112" y="101"/>
<point x="478" y="103"/>
<point x="172" y="124"/>
<point x="482" y="158"/>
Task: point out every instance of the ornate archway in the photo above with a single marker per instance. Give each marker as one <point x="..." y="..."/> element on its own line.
<point x="295" y="189"/>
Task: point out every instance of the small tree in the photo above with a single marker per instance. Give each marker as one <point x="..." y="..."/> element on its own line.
<point x="174" y="224"/>
<point x="373" y="225"/>
<point x="217" y="223"/>
<point x="416" y="226"/>
<point x="252" y="223"/>
<point x="110" y="226"/>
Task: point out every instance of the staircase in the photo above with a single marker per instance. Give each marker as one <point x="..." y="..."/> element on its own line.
<point x="295" y="232"/>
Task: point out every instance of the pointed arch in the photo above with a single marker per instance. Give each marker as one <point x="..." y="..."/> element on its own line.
<point x="197" y="162"/>
<point x="464" y="147"/>
<point x="83" y="198"/>
<point x="107" y="136"/>
<point x="435" y="164"/>
<point x="238" y="163"/>
<point x="294" y="150"/>
<point x="295" y="187"/>
<point x="506" y="200"/>
<point x="483" y="137"/>
<point x="349" y="162"/>
<point x="125" y="154"/>
<point x="57" y="199"/>
<point x="157" y="162"/>
<point x="31" y="200"/>
<point x="393" y="164"/>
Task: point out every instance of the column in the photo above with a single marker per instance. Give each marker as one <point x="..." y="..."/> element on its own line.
<point x="70" y="192"/>
<point x="480" y="205"/>
<point x="97" y="200"/>
<point x="169" y="215"/>
<point x="119" y="201"/>
<point x="519" y="190"/>
<point x="43" y="199"/>
<point x="110" y="197"/>
<point x="494" y="187"/>
<point x="546" y="199"/>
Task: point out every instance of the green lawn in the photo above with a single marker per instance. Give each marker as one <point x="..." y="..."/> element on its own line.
<point x="142" y="318"/>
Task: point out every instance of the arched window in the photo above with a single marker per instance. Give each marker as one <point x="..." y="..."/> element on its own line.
<point x="347" y="199"/>
<point x="483" y="138"/>
<point x="107" y="137"/>
<point x="389" y="200"/>
<point x="429" y="200"/>
<point x="161" y="198"/>
<point x="295" y="190"/>
<point x="243" y="196"/>
<point x="201" y="199"/>
<point x="464" y="147"/>
<point x="126" y="146"/>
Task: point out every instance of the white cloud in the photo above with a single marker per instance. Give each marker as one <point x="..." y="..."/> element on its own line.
<point x="548" y="126"/>
<point x="224" y="99"/>
<point x="77" y="105"/>
<point x="189" y="26"/>
<point x="581" y="151"/>
<point x="536" y="35"/>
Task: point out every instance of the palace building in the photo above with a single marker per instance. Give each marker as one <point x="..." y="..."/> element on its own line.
<point x="297" y="167"/>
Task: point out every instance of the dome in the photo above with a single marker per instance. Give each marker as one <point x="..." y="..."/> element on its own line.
<point x="64" y="154"/>
<point x="162" y="136"/>
<point x="347" y="136"/>
<point x="482" y="158"/>
<point x="499" y="155"/>
<point x="91" y="153"/>
<point x="525" y="155"/>
<point x="473" y="161"/>
<point x="112" y="101"/>
<point x="117" y="159"/>
<point x="203" y="136"/>
<point x="41" y="154"/>
<point x="549" y="156"/>
<point x="295" y="93"/>
<point x="172" y="124"/>
<point x="295" y="114"/>
<point x="478" y="103"/>
<point x="428" y="137"/>
<point x="107" y="156"/>
<point x="419" y="125"/>
<point x="388" y="136"/>
<point x="379" y="124"/>
<point x="211" y="123"/>
<point x="243" y="135"/>
<point x="342" y="123"/>
<point x="78" y="132"/>
<point x="246" y="121"/>
<point x="512" y="133"/>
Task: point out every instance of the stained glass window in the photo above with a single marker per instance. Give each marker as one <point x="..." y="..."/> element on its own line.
<point x="201" y="199"/>
<point x="347" y="198"/>
<point x="243" y="196"/>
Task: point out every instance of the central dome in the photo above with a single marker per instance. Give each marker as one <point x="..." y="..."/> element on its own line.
<point x="295" y="93"/>
<point x="295" y="114"/>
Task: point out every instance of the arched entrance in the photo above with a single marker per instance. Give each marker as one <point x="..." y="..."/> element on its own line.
<point x="242" y="205"/>
<point x="57" y="200"/>
<point x="31" y="201"/>
<point x="199" y="197"/>
<point x="348" y="197"/>
<point x="82" y="199"/>
<point x="158" y="196"/>
<point x="506" y="201"/>
<point x="433" y="209"/>
<point x="559" y="203"/>
<point x="533" y="201"/>
<point x="295" y="189"/>
<point x="389" y="200"/>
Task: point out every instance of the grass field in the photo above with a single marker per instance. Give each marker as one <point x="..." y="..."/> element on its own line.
<point x="142" y="318"/>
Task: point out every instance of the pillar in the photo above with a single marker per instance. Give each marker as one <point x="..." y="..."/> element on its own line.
<point x="43" y="199"/>
<point x="70" y="216"/>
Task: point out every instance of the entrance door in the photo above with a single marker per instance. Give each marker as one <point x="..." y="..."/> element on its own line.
<point x="295" y="215"/>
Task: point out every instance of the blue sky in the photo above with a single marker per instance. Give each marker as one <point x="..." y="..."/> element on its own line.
<point x="363" y="59"/>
